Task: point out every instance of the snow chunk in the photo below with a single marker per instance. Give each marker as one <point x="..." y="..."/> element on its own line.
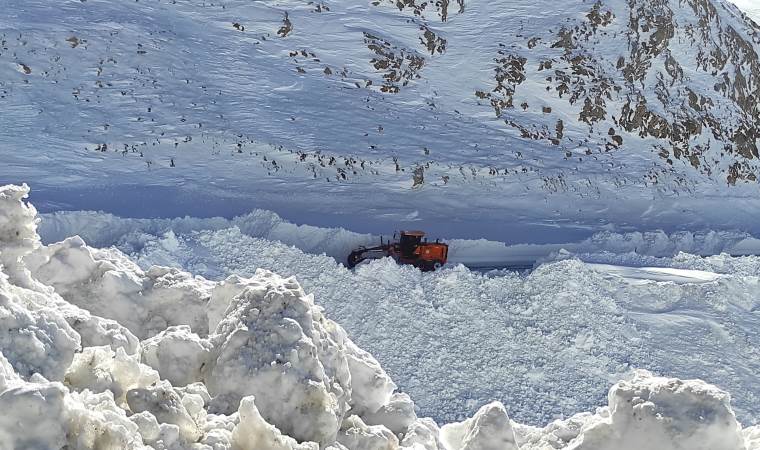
<point x="18" y="231"/>
<point x="371" y="386"/>
<point x="108" y="284"/>
<point x="34" y="341"/>
<point x="166" y="405"/>
<point x="221" y="296"/>
<point x="178" y="354"/>
<point x="100" y="369"/>
<point x="423" y="434"/>
<point x="273" y="344"/>
<point x="355" y="434"/>
<point x="218" y="431"/>
<point x="46" y="416"/>
<point x="8" y="376"/>
<point x="664" y="413"/>
<point x="148" y="426"/>
<point x="488" y="429"/>
<point x="179" y="297"/>
<point x="254" y="432"/>
<point x="398" y="414"/>
<point x="96" y="331"/>
<point x="96" y="422"/>
<point x="36" y="418"/>
<point x="752" y="435"/>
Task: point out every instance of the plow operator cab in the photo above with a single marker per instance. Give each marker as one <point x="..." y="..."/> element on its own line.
<point x="411" y="249"/>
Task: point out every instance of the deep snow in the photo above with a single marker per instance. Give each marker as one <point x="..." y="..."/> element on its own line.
<point x="254" y="363"/>
<point x="554" y="339"/>
<point x="750" y="7"/>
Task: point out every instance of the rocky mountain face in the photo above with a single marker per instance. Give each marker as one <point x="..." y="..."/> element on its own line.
<point x="677" y="78"/>
<point x="648" y="91"/>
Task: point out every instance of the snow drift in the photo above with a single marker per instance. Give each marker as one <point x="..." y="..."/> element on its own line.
<point x="251" y="363"/>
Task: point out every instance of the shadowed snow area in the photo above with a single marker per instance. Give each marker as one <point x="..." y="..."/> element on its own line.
<point x="546" y="344"/>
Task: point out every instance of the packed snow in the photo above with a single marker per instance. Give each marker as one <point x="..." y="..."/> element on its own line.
<point x="266" y="369"/>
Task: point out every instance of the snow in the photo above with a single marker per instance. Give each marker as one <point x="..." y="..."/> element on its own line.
<point x="200" y="118"/>
<point x="266" y="368"/>
<point x="651" y="412"/>
<point x="489" y="428"/>
<point x="662" y="274"/>
<point x="556" y="338"/>
<point x="217" y="333"/>
<point x="644" y="303"/>
<point x="750" y="7"/>
<point x="178" y="354"/>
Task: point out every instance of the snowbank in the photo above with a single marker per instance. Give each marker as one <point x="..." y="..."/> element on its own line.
<point x="252" y="362"/>
<point x="104" y="389"/>
<point x="137" y="237"/>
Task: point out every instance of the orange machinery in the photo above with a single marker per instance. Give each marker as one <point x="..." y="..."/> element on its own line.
<point x="410" y="249"/>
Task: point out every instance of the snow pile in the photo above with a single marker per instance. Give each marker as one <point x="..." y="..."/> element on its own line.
<point x="555" y="338"/>
<point x="649" y="412"/>
<point x="489" y="428"/>
<point x="273" y="371"/>
<point x="103" y="230"/>
<point x="252" y="363"/>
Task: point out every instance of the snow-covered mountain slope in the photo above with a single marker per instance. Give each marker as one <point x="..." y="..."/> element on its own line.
<point x="750" y="7"/>
<point x="496" y="107"/>
<point x="249" y="363"/>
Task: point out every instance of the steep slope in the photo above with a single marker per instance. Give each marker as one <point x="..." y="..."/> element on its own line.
<point x="750" y="7"/>
<point x="475" y="101"/>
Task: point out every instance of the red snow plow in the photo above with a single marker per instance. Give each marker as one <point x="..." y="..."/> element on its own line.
<point x="410" y="249"/>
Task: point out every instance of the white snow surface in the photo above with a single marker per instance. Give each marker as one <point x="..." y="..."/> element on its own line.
<point x="272" y="373"/>
<point x="160" y="108"/>
<point x="555" y="338"/>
